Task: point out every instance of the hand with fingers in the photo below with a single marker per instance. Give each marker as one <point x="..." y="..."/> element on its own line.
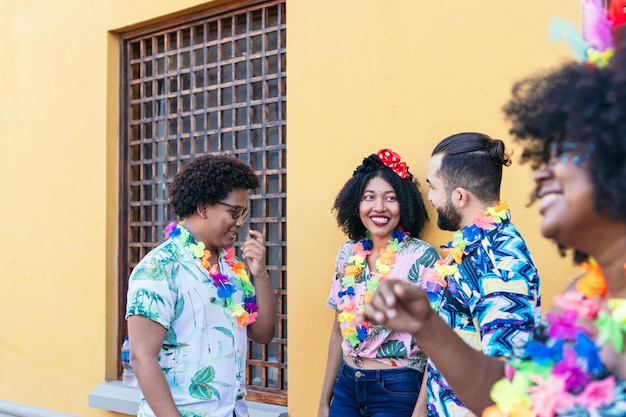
<point x="253" y="251"/>
<point x="400" y="306"/>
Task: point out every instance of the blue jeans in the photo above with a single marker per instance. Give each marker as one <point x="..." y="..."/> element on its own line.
<point x="379" y="392"/>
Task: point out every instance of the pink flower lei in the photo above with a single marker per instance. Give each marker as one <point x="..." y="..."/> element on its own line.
<point x="245" y="312"/>
<point x="492" y="218"/>
<point x="561" y="371"/>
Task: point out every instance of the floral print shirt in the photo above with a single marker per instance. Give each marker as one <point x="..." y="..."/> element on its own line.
<point x="204" y="352"/>
<point x="411" y="263"/>
<point x="492" y="301"/>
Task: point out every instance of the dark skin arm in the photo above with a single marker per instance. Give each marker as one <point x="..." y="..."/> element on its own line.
<point x="253" y="251"/>
<point x="146" y="337"/>
<point x="422" y="399"/>
<point x="404" y="307"/>
<point x="335" y="355"/>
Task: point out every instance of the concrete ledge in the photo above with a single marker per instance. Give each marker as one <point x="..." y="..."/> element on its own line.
<point x="266" y="410"/>
<point x="8" y="409"/>
<point x="115" y="396"/>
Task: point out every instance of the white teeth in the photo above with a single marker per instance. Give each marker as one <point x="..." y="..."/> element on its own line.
<point x="549" y="197"/>
<point x="547" y="200"/>
<point x="380" y="219"/>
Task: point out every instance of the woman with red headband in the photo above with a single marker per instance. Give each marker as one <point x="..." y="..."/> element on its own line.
<point x="372" y="370"/>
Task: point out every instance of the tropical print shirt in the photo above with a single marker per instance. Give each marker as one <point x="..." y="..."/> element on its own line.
<point x="492" y="301"/>
<point x="204" y="352"/>
<point x="411" y="263"/>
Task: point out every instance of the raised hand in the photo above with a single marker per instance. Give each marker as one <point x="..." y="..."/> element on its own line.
<point x="400" y="306"/>
<point x="253" y="251"/>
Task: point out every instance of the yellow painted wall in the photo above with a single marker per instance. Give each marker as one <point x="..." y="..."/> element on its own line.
<point x="362" y="75"/>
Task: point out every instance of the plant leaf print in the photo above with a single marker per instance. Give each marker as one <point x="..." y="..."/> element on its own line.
<point x="184" y="413"/>
<point x="161" y="267"/>
<point x="171" y="338"/>
<point x="179" y="307"/>
<point x="414" y="273"/>
<point x="392" y="349"/>
<point x="226" y="331"/>
<point x="201" y="387"/>
<point x="159" y="271"/>
<point x="427" y="260"/>
<point x="146" y="303"/>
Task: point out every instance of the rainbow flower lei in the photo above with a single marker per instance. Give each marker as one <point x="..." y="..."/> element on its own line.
<point x="561" y="371"/>
<point x="245" y="312"/>
<point x="349" y="307"/>
<point x="491" y="219"/>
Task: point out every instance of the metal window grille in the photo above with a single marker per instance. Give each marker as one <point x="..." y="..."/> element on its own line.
<point x="213" y="82"/>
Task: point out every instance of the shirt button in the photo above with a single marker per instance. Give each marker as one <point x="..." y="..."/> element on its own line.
<point x="358" y="374"/>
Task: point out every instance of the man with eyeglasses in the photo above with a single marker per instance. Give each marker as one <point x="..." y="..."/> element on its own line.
<point x="237" y="211"/>
<point x="191" y="303"/>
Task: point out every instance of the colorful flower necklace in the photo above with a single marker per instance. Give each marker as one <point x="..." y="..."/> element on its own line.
<point x="436" y="279"/>
<point x="355" y="334"/>
<point x="562" y="371"/>
<point x="245" y="312"/>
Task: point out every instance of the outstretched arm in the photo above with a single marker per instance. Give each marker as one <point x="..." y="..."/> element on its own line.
<point x="406" y="308"/>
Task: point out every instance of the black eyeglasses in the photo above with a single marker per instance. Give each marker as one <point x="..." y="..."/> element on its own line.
<point x="238" y="211"/>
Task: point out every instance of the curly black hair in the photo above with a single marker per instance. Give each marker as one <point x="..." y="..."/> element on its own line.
<point x="208" y="179"/>
<point x="579" y="105"/>
<point x="473" y="161"/>
<point x="413" y="214"/>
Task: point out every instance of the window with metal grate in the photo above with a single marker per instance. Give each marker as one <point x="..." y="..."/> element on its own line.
<point x="211" y="82"/>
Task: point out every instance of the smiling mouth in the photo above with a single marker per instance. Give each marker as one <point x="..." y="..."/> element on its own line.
<point x="547" y="199"/>
<point x="379" y="221"/>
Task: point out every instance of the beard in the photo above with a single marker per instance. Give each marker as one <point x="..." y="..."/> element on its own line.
<point x="449" y="217"/>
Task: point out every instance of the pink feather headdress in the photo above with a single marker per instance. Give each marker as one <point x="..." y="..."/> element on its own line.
<point x="596" y="45"/>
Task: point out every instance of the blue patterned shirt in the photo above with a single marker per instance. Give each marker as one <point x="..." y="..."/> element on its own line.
<point x="492" y="302"/>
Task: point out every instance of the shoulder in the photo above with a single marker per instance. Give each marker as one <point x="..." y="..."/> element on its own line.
<point x="417" y="245"/>
<point x="511" y="255"/>
<point x="168" y="251"/>
<point x="507" y="238"/>
<point x="413" y="241"/>
<point x="346" y="246"/>
<point x="345" y="251"/>
<point x="159" y="262"/>
<point x="508" y="230"/>
<point x="508" y="241"/>
<point x="417" y="252"/>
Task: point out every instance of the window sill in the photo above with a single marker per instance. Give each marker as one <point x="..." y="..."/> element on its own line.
<point x="115" y="396"/>
<point x="9" y="409"/>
